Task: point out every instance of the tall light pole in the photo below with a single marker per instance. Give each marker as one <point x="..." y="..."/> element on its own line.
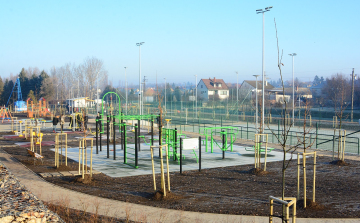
<point x="263" y="63"/>
<point x="237" y="87"/>
<point x="126" y="94"/>
<point x="293" y="83"/>
<point x="299" y="106"/>
<point x="140" y="94"/>
<point x="97" y="92"/>
<point x="165" y="94"/>
<point x="353" y="78"/>
<point x="256" y="98"/>
<point x="196" y="94"/>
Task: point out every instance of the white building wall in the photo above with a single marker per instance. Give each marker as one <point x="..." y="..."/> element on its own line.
<point x="202" y="91"/>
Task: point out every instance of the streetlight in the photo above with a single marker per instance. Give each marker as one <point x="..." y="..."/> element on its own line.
<point x="256" y="98"/>
<point x="353" y="77"/>
<point x="97" y="91"/>
<point x="299" y="106"/>
<point x="195" y="94"/>
<point x="237" y="87"/>
<point x="293" y="112"/>
<point x="126" y="93"/>
<point x="263" y="63"/>
<point x="139" y="45"/>
<point x="165" y="94"/>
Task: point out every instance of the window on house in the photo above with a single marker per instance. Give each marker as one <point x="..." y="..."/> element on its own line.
<point x="201" y="86"/>
<point x="219" y="85"/>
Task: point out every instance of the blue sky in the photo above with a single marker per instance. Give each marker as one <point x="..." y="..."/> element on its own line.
<point x="182" y="38"/>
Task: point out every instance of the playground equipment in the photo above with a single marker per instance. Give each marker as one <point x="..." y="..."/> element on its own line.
<point x="29" y="129"/>
<point x="14" y="125"/>
<point x="19" y="105"/>
<point x="304" y="172"/>
<point x="224" y="132"/>
<point x="163" y="186"/>
<point x="287" y="202"/>
<point x="131" y="153"/>
<point x="39" y="109"/>
<point x="38" y="140"/>
<point x="167" y="123"/>
<point x="127" y="154"/>
<point x="5" y="114"/>
<point x="190" y="144"/>
<point x="60" y="143"/>
<point x="341" y="143"/>
<point x="19" y="133"/>
<point x="83" y="156"/>
<point x="172" y="139"/>
<point x="120" y="119"/>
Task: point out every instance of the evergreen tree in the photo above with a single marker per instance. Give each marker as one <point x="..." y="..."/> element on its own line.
<point x="24" y="83"/>
<point x="177" y="94"/>
<point x="8" y="87"/>
<point x="1" y="89"/>
<point x="32" y="96"/>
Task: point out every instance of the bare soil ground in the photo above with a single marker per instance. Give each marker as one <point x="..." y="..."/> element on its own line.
<point x="230" y="190"/>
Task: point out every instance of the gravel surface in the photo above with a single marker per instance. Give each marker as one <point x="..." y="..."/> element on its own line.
<point x="18" y="204"/>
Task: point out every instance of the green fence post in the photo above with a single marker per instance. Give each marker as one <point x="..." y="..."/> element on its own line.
<point x="316" y="140"/>
<point x="279" y="128"/>
<point x="241" y="132"/>
<point x="247" y="130"/>
<point x="199" y="125"/>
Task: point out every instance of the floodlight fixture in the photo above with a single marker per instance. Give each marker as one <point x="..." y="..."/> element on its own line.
<point x="263" y="63"/>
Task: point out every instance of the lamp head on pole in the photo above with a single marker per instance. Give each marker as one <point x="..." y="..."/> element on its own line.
<point x="262" y="10"/>
<point x="292" y="54"/>
<point x="139" y="44"/>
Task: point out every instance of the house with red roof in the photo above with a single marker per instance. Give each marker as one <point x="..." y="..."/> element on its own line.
<point x="209" y="89"/>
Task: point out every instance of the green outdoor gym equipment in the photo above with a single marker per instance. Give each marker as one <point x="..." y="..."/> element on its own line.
<point x="172" y="139"/>
<point x="223" y="131"/>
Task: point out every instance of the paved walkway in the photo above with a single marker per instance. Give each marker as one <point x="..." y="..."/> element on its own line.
<point x="51" y="193"/>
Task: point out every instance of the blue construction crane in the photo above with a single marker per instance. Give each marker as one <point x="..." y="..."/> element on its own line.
<point x="20" y="104"/>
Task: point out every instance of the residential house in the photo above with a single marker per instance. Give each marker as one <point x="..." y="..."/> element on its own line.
<point x="149" y="95"/>
<point x="212" y="89"/>
<point x="250" y="86"/>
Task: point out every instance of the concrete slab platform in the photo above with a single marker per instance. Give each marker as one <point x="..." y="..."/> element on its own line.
<point x="66" y="173"/>
<point x="74" y="173"/>
<point x="45" y="175"/>
<point x="117" y="167"/>
<point x="56" y="174"/>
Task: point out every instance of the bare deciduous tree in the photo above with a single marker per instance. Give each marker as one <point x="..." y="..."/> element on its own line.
<point x="282" y="138"/>
<point x="95" y="73"/>
<point x="337" y="89"/>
